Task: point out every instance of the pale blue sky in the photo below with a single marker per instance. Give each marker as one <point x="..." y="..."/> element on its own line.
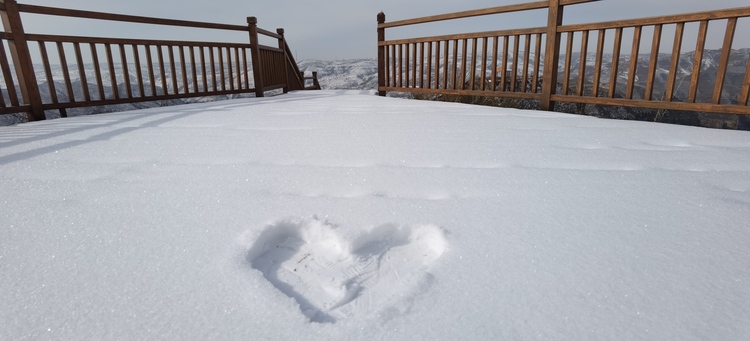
<point x="338" y="29"/>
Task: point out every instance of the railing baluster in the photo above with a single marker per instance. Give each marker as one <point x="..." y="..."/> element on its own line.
<point x="212" y="61"/>
<point x="400" y="65"/>
<point x="267" y="70"/>
<point x="526" y="56"/>
<point x="173" y="69"/>
<point x="111" y="69"/>
<point x="483" y="78"/>
<point x="598" y="63"/>
<point x="582" y="59"/>
<point x="504" y="76"/>
<point x="429" y="65"/>
<point x="6" y="72"/>
<point x="473" y="71"/>
<point x="193" y="69"/>
<point x="655" y="43"/>
<point x="726" y="50"/>
<point x="125" y="73"/>
<point x="437" y="65"/>
<point x="446" y="57"/>
<point x="514" y="75"/>
<point x="495" y="47"/>
<point x="183" y="68"/>
<point x="162" y="69"/>
<point x="223" y="76"/>
<point x="245" y="71"/>
<point x="413" y="65"/>
<point x="614" y="73"/>
<point x="674" y="63"/>
<point x="394" y="69"/>
<point x="404" y="64"/>
<point x="745" y="92"/>
<point x="2" y="100"/>
<point x="10" y="86"/>
<point x="97" y="70"/>
<point x="230" y="67"/>
<point x="238" y="74"/>
<point x="537" y="62"/>
<point x="698" y="61"/>
<point x="421" y="55"/>
<point x="421" y="65"/>
<point x="568" y="62"/>
<point x="82" y="72"/>
<point x="464" y="52"/>
<point x="151" y="78"/>
<point x="204" y="75"/>
<point x="633" y="61"/>
<point x="273" y="69"/>
<point x="386" y="63"/>
<point x="454" y="64"/>
<point x="66" y="72"/>
<point x="138" y="71"/>
<point x="47" y="73"/>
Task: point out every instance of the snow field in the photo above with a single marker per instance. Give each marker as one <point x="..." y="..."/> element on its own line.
<point x="500" y="223"/>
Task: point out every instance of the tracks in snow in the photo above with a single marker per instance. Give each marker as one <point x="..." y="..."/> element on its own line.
<point x="332" y="278"/>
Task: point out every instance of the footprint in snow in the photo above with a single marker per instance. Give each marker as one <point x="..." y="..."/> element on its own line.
<point x="332" y="278"/>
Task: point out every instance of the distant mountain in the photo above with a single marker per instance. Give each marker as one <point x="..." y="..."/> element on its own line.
<point x="351" y="74"/>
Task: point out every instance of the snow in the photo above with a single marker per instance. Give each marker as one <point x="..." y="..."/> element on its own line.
<point x="404" y="220"/>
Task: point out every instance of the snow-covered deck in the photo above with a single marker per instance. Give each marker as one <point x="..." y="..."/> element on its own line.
<point x="340" y="215"/>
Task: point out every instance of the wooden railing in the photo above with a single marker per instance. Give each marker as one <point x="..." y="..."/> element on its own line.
<point x="499" y="63"/>
<point x="161" y="69"/>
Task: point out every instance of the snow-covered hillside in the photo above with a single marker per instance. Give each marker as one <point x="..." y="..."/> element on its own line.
<point x="348" y="74"/>
<point x="333" y="215"/>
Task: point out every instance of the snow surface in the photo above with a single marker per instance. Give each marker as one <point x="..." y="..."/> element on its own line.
<point x="343" y="215"/>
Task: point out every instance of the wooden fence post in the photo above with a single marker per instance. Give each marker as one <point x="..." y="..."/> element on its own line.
<point x="252" y="23"/>
<point x="19" y="51"/>
<point x="551" y="55"/>
<point x="316" y="84"/>
<point x="381" y="54"/>
<point x="282" y="46"/>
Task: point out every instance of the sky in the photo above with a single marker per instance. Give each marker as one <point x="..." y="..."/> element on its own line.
<point x="345" y="29"/>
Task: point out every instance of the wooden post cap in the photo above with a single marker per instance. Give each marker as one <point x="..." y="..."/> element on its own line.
<point x="381" y="17"/>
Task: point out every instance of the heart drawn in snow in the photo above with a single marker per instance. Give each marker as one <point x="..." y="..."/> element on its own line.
<point x="332" y="278"/>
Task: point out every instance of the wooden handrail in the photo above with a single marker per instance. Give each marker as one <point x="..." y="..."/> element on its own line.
<point x="129" y="41"/>
<point x="64" y="12"/>
<point x="269" y="33"/>
<point x="661" y="20"/>
<point x="468" y="14"/>
<point x="480" y="12"/>
<point x="501" y="33"/>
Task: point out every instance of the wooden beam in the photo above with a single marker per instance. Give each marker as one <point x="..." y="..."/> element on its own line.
<point x="552" y="55"/>
<point x="19" y="52"/>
